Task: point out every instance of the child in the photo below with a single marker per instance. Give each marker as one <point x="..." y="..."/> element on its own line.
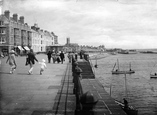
<point x="43" y="66"/>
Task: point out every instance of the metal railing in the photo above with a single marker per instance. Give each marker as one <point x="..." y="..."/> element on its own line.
<point x="67" y="73"/>
<point x="87" y="58"/>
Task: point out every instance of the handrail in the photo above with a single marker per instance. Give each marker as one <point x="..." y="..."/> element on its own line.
<point x="91" y="64"/>
<point x="65" y="74"/>
<point x="67" y="93"/>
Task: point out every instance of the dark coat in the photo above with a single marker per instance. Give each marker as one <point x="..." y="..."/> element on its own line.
<point x="49" y="54"/>
<point x="62" y="55"/>
<point x="31" y="58"/>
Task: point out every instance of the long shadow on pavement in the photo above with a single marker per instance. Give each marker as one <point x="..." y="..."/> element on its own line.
<point x="26" y="74"/>
<point x="4" y="73"/>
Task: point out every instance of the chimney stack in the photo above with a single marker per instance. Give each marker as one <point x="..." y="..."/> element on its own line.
<point x="36" y="25"/>
<point x="15" y="17"/>
<point x="7" y="14"/>
<point x="22" y="19"/>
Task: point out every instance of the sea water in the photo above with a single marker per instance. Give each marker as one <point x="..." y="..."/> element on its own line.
<point x="137" y="88"/>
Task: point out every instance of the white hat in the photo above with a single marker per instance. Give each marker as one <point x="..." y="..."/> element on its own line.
<point x="43" y="60"/>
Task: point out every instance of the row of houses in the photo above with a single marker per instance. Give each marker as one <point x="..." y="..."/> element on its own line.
<point x="15" y="33"/>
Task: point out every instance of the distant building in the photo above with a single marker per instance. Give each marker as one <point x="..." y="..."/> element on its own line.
<point x="14" y="33"/>
<point x="35" y="41"/>
<point x="71" y="47"/>
<point x="41" y="39"/>
<point x="55" y="47"/>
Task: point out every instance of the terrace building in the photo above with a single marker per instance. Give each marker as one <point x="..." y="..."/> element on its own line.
<point x="14" y="33"/>
<point x="41" y="39"/>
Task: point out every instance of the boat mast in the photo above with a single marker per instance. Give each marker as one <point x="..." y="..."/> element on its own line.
<point x="96" y="62"/>
<point x="111" y="88"/>
<point x="118" y="64"/>
<point x="153" y="67"/>
<point x="114" y="66"/>
<point x="130" y="65"/>
<point x="126" y="95"/>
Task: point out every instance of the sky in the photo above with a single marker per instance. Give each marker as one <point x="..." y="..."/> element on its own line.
<point x="127" y="24"/>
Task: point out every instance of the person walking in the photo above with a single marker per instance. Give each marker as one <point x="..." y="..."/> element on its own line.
<point x="31" y="60"/>
<point x="58" y="58"/>
<point x="62" y="57"/>
<point x="76" y="56"/>
<point x="49" y="54"/>
<point x="12" y="61"/>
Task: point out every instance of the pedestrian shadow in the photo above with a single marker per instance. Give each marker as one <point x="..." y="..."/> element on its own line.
<point x="4" y="73"/>
<point x="27" y="74"/>
<point x="22" y="73"/>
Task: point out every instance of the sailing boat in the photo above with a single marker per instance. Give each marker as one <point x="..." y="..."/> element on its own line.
<point x="118" y="71"/>
<point x="130" y="110"/>
<point x="153" y="75"/>
<point x="96" y="65"/>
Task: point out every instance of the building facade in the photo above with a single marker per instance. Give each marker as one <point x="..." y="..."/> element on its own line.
<point x="71" y="47"/>
<point x="41" y="39"/>
<point x="14" y="33"/>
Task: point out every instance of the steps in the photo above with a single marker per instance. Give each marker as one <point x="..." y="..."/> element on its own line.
<point x="87" y="70"/>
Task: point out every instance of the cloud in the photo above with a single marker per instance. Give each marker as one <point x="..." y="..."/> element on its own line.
<point x="108" y="22"/>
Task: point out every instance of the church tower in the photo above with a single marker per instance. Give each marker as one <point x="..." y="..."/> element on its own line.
<point x="68" y="41"/>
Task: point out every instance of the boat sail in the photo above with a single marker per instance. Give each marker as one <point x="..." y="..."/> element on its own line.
<point x="118" y="71"/>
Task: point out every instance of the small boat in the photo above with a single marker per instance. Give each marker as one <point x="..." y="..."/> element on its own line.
<point x="153" y="75"/>
<point x="123" y="52"/>
<point x="113" y="53"/>
<point x="118" y="71"/>
<point x="123" y="72"/>
<point x="130" y="110"/>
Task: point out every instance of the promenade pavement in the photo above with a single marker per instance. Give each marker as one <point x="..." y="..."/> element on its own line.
<point x="22" y="94"/>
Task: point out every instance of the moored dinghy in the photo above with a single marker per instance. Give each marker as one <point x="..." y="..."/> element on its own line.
<point x="130" y="110"/>
<point x="118" y="71"/>
<point x="153" y="75"/>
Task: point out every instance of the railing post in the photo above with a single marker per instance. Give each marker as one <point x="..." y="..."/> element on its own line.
<point x="77" y="87"/>
<point x="86" y="57"/>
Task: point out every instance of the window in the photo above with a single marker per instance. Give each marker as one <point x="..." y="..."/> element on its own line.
<point x="16" y="32"/>
<point x="1" y="23"/>
<point x="2" y="40"/>
<point x="12" y="31"/>
<point x="2" y="31"/>
<point x="12" y="39"/>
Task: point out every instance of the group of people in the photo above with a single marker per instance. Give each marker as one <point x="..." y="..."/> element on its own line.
<point x="30" y="60"/>
<point x="59" y="57"/>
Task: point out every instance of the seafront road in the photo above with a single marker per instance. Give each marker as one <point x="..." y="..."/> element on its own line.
<point x="21" y="94"/>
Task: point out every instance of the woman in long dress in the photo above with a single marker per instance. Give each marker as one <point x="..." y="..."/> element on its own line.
<point x="12" y="61"/>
